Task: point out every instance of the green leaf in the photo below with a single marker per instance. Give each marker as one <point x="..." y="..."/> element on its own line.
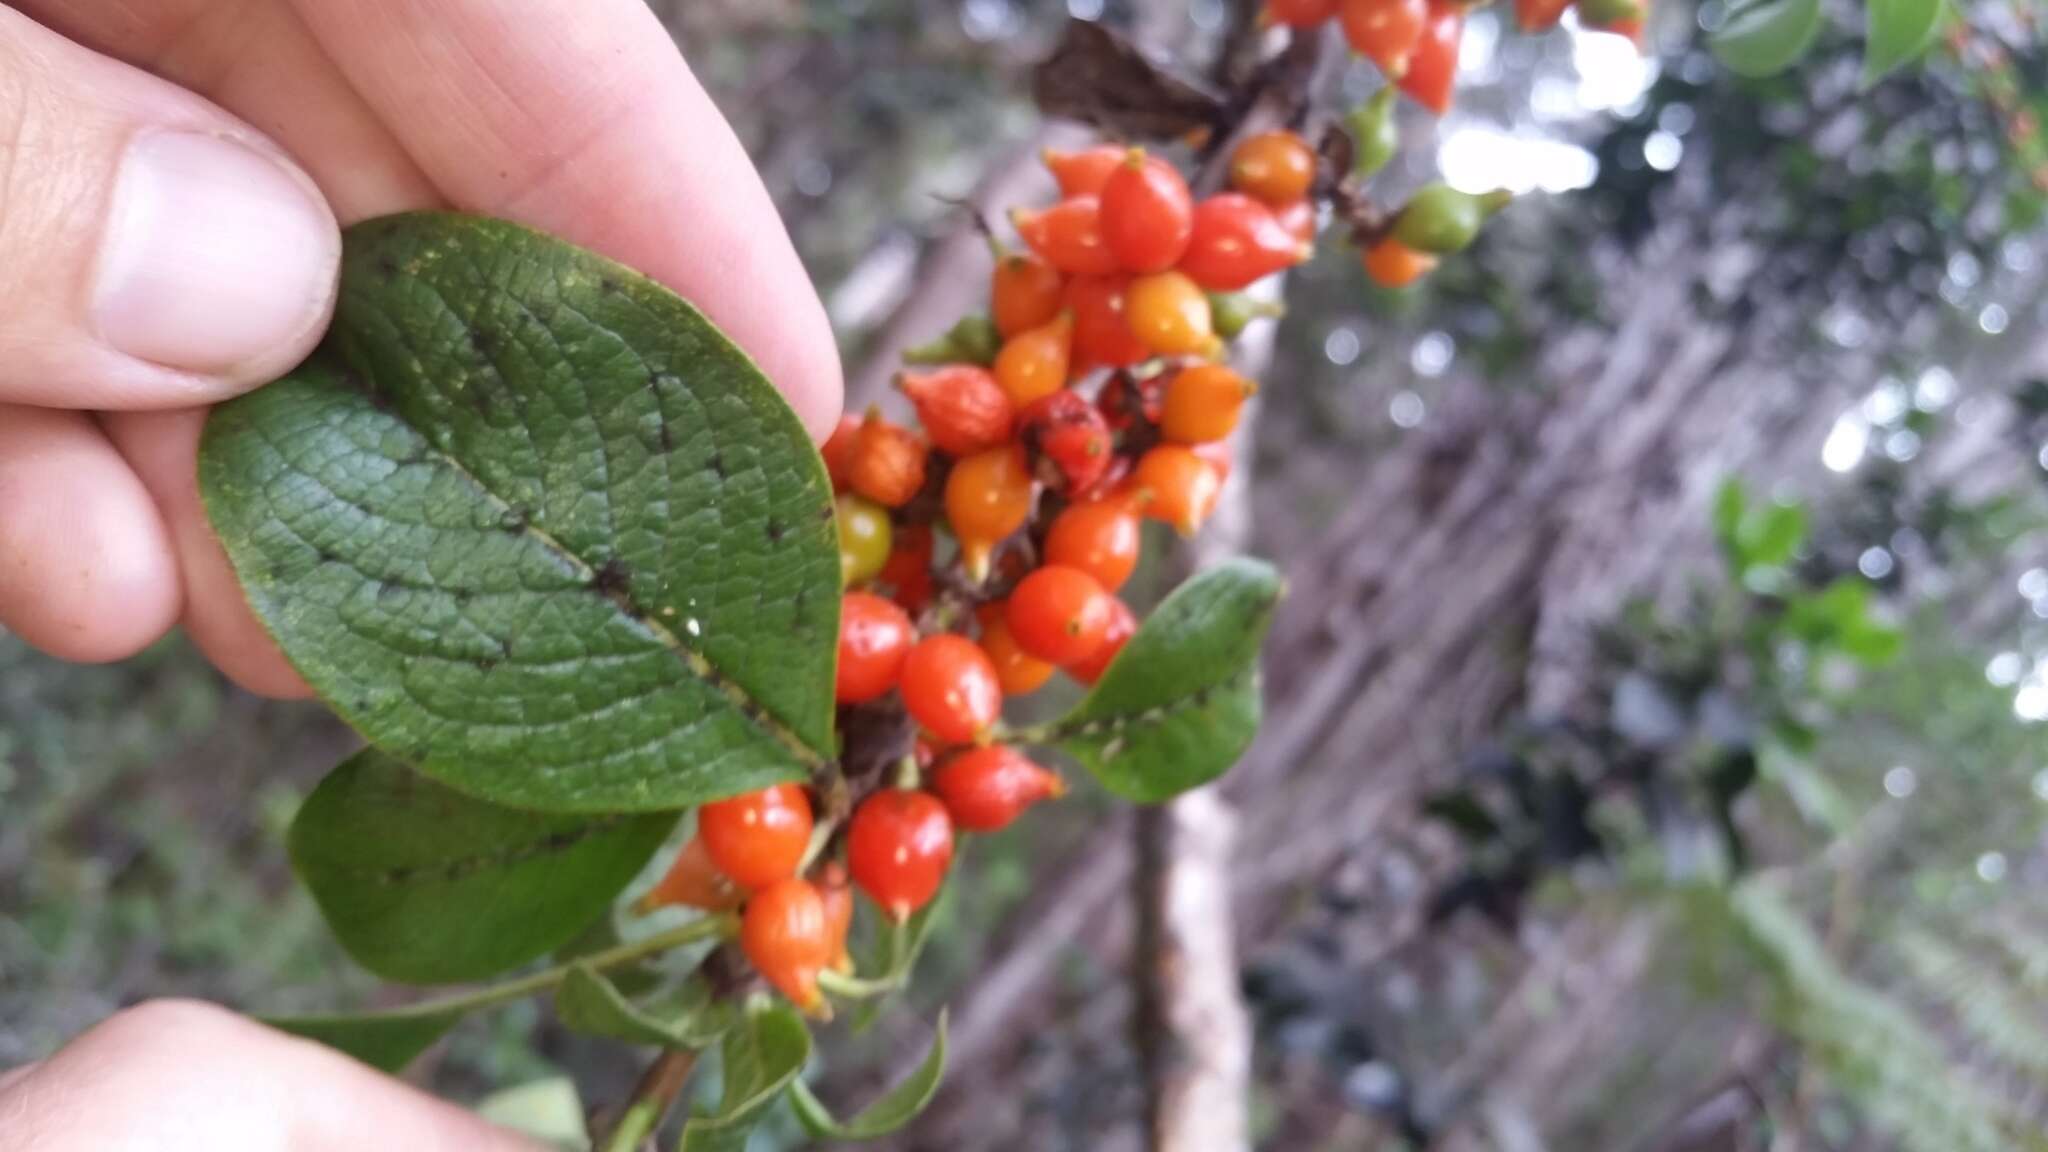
<point x="1770" y="535"/>
<point x="761" y="1057"/>
<point x="425" y="885"/>
<point x="587" y="1001"/>
<point x="1730" y="502"/>
<point x="550" y="1111"/>
<point x="387" y="1040"/>
<point x="973" y="339"/>
<point x="1897" y="33"/>
<point x="1180" y="703"/>
<point x="529" y="522"/>
<point x="898" y="1107"/>
<point x="1765" y="37"/>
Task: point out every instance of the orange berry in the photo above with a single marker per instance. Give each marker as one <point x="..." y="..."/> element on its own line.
<point x="1084" y="171"/>
<point x="1238" y="240"/>
<point x="1538" y="15"/>
<point x="988" y="496"/>
<point x="786" y="934"/>
<point x="759" y="837"/>
<point x="1102" y="330"/>
<point x="962" y="407"/>
<point x="1100" y="537"/>
<point x="1024" y="292"/>
<point x="1299" y="13"/>
<point x="949" y="686"/>
<point x="1385" y="31"/>
<point x="1203" y="403"/>
<point x="839" y="450"/>
<point x="692" y="881"/>
<point x="899" y="845"/>
<point x="1069" y="236"/>
<point x="888" y="462"/>
<point x="1433" y="67"/>
<point x="985" y="789"/>
<point x="874" y="637"/>
<point x="836" y="891"/>
<point x="1033" y="364"/>
<point x="1392" y="264"/>
<point x="1276" y="167"/>
<point x="1147" y="213"/>
<point x="1170" y="313"/>
<point x="1019" y="672"/>
<point x="1180" y="488"/>
<point x="1123" y="624"/>
<point x="1217" y="455"/>
<point x="1059" y="614"/>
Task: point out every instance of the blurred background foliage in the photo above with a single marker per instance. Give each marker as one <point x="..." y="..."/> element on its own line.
<point x="1790" y="823"/>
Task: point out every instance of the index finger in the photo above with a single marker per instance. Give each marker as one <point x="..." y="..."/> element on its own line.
<point x="583" y="120"/>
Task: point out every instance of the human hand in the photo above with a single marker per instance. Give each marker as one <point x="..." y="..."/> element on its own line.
<point x="159" y="253"/>
<point x="181" y="1076"/>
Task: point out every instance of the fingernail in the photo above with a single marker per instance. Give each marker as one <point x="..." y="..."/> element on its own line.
<point x="216" y="255"/>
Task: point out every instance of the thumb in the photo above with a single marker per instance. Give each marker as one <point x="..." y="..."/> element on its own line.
<point x="154" y="251"/>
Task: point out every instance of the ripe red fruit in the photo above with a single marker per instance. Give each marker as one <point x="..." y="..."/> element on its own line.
<point x="1538" y="15"/>
<point x="693" y="881"/>
<point x="1125" y="401"/>
<point x="1299" y="13"/>
<point x="838" y="451"/>
<point x="1385" y="31"/>
<point x="757" y="838"/>
<point x="1024" y="292"/>
<point x="888" y="462"/>
<point x="899" y="845"/>
<point x="961" y="406"/>
<point x="1099" y="537"/>
<point x="874" y="637"/>
<point x="1019" y="672"/>
<point x="1102" y="330"/>
<point x="1123" y="624"/>
<point x="1147" y="213"/>
<point x="987" y="788"/>
<point x="1071" y="439"/>
<point x="786" y="933"/>
<point x="1059" y="614"/>
<point x="949" y="685"/>
<point x="908" y="571"/>
<point x="1299" y="218"/>
<point x="1084" y="171"/>
<point x="1180" y="487"/>
<point x="1069" y="236"/>
<point x="988" y="496"/>
<point x="1238" y="240"/>
<point x="1275" y="167"/>
<point x="1433" y="66"/>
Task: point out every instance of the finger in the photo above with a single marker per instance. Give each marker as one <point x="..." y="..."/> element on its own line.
<point x="257" y="60"/>
<point x="154" y="251"/>
<point x="180" y="1076"/>
<point x="86" y="567"/>
<point x="160" y="447"/>
<point x="582" y="120"/>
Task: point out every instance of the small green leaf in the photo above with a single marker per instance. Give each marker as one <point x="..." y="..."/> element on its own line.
<point x="1765" y="37"/>
<point x="1771" y="535"/>
<point x="1180" y="703"/>
<point x="899" y="946"/>
<point x="689" y="1017"/>
<point x="972" y="339"/>
<point x="530" y="523"/>
<point x="387" y="1040"/>
<point x="762" y="1057"/>
<point x="549" y="1111"/>
<point x="1898" y="32"/>
<point x="1731" y="500"/>
<point x="426" y="885"/>
<point x="898" y="1107"/>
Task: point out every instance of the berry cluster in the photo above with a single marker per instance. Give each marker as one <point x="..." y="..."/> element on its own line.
<point x="1415" y="42"/>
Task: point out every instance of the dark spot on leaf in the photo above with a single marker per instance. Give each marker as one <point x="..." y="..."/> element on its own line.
<point x="484" y="343"/>
<point x="387" y="592"/>
<point x="609" y="285"/>
<point x="461" y="597"/>
<point x="485" y="664"/>
<point x="327" y="557"/>
<point x="1200" y="698"/>
<point x="612" y="579"/>
<point x="387" y="269"/>
<point x="514" y="519"/>
<point x="775" y="531"/>
<point x="827" y="513"/>
<point x="716" y="464"/>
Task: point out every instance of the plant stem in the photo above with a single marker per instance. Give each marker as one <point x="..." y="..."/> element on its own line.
<point x="855" y="987"/>
<point x="652" y="1098"/>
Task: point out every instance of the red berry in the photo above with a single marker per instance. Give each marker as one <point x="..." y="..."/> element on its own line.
<point x="1299" y="13"/>
<point x="1024" y="292"/>
<point x="962" y="407"/>
<point x="1099" y="537"/>
<point x="1299" y="218"/>
<point x="1102" y="331"/>
<point x="1072" y="441"/>
<point x="1124" y="401"/>
<point x="874" y="637"/>
<point x="1538" y="15"/>
<point x="1147" y="213"/>
<point x="1083" y="172"/>
<point x="987" y="788"/>
<point x="786" y="933"/>
<point x="949" y="685"/>
<point x="757" y="838"/>
<point x="908" y="571"/>
<point x="1433" y="66"/>
<point x="1019" y="672"/>
<point x="692" y="881"/>
<point x="888" y="462"/>
<point x="1122" y="626"/>
<point x="838" y="452"/>
<point x="1059" y="614"/>
<point x="899" y="845"/>
<point x="1238" y="240"/>
<point x="1069" y="236"/>
<point x="836" y="891"/>
<point x="1385" y="31"/>
<point x="1275" y="167"/>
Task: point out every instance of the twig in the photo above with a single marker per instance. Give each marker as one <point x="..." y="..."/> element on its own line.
<point x="651" y="1100"/>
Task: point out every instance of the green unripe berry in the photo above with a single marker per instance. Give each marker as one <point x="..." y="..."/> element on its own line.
<point x="1375" y="137"/>
<point x="1440" y="220"/>
<point x="865" y="538"/>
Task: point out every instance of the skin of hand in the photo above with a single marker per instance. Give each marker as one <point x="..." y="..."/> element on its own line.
<point x="181" y="1076"/>
<point x="173" y="177"/>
